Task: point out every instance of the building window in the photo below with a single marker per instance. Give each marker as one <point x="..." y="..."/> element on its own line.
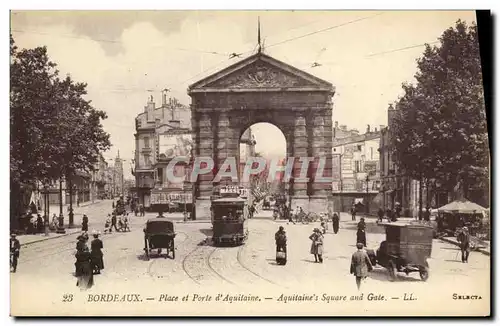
<point x="359" y="147"/>
<point x="146" y="142"/>
<point x="147" y="160"/>
<point x="371" y="153"/>
<point x="356" y="166"/>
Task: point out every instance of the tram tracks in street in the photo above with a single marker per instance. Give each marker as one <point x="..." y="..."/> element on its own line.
<point x="67" y="247"/>
<point x="154" y="262"/>
<point x="242" y="264"/>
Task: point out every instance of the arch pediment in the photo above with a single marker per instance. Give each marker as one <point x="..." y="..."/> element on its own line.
<point x="260" y="73"/>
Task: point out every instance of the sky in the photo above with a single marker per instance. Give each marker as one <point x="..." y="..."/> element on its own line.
<point x="126" y="56"/>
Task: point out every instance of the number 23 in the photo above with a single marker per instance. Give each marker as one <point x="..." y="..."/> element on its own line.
<point x="67" y="298"/>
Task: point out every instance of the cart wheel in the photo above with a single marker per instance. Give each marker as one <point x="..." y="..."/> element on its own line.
<point x="424" y="273"/>
<point x="391" y="268"/>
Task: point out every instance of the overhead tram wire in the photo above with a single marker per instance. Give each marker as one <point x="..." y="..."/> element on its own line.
<point x="295" y="38"/>
<point x="325" y="30"/>
<point x="120" y="42"/>
<point x="400" y="49"/>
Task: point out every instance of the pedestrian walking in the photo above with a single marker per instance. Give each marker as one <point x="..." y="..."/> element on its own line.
<point x="85" y="223"/>
<point x="463" y="239"/>
<point x="317" y="245"/>
<point x="85" y="271"/>
<point x="113" y="205"/>
<point x="280" y="238"/>
<point x="289" y="213"/>
<point x="81" y="246"/>
<point x="107" y="225"/>
<point x="142" y="210"/>
<point x="380" y="215"/>
<point x="353" y="212"/>
<point x="78" y="202"/>
<point x="361" y="233"/>
<point x="336" y="222"/>
<point x="15" y="248"/>
<point x="360" y="264"/>
<point x="113" y="222"/>
<point x="427" y="214"/>
<point x="96" y="253"/>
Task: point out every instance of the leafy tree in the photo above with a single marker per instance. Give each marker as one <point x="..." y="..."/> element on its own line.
<point x="54" y="130"/>
<point x="439" y="129"/>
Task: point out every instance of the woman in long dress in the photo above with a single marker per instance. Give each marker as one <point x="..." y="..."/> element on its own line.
<point x="86" y="277"/>
<point x="317" y="245"/>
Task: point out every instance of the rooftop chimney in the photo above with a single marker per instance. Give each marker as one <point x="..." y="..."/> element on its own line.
<point x="376" y="129"/>
<point x="150" y="109"/>
<point x="163" y="98"/>
<point x="391" y="112"/>
<point x="382" y="127"/>
<point x="367" y="129"/>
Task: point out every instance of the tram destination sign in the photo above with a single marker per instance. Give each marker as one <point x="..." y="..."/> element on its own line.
<point x="227" y="190"/>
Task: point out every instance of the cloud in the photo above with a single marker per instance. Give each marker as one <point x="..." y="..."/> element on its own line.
<point x="156" y="50"/>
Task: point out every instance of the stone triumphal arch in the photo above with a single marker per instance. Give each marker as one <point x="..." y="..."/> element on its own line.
<point x="263" y="89"/>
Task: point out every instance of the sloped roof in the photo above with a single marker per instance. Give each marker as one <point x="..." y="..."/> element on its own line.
<point x="296" y="78"/>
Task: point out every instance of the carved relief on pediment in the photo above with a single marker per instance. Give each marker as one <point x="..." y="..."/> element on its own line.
<point x="259" y="75"/>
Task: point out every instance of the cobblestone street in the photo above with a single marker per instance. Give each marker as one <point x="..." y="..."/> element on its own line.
<point x="250" y="267"/>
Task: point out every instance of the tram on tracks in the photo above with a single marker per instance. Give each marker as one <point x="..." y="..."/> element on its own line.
<point x="229" y="209"/>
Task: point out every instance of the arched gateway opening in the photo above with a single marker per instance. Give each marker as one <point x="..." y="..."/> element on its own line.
<point x="263" y="89"/>
<point x="266" y="142"/>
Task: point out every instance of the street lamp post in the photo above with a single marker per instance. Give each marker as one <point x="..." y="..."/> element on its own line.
<point x="367" y="196"/>
<point x="60" y="197"/>
<point x="71" y="187"/>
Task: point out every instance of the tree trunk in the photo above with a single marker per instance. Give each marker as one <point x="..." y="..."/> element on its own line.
<point x="15" y="204"/>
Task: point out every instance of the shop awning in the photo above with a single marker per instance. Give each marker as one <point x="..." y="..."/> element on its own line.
<point x="462" y="206"/>
<point x="358" y="201"/>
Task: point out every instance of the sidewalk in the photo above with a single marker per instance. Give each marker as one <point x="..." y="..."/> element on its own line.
<point x="27" y="239"/>
<point x="452" y="240"/>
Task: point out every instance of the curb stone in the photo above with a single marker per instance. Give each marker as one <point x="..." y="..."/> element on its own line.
<point x="50" y="238"/>
<point x="481" y="250"/>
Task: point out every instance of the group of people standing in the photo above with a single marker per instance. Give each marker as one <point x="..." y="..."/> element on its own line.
<point x="360" y="262"/>
<point x="88" y="261"/>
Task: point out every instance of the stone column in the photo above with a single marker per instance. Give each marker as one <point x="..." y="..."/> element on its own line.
<point x="227" y="146"/>
<point x="300" y="149"/>
<point x="321" y="168"/>
<point x="205" y="148"/>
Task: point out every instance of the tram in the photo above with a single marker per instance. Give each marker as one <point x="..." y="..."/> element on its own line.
<point x="229" y="208"/>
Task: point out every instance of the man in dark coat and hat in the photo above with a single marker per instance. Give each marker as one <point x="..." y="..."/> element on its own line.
<point x="463" y="239"/>
<point x="85" y="223"/>
<point x="15" y="247"/>
<point x="336" y="222"/>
